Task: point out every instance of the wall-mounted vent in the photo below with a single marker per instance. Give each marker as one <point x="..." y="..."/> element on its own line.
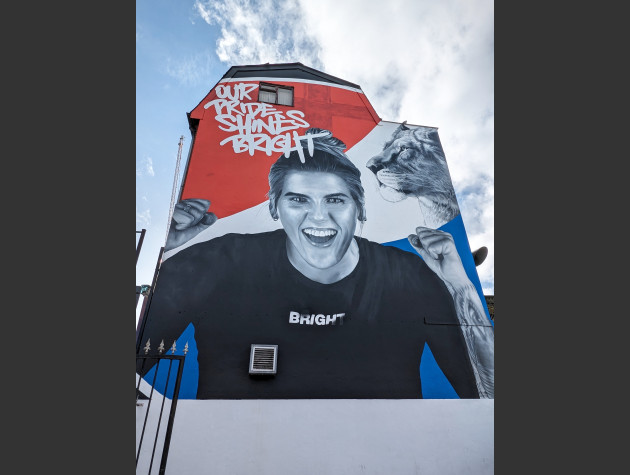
<point x="263" y="359"/>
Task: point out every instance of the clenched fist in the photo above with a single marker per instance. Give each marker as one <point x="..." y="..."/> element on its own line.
<point x="438" y="250"/>
<point x="190" y="217"/>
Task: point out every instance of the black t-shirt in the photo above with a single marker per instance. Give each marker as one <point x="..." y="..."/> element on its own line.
<point x="361" y="337"/>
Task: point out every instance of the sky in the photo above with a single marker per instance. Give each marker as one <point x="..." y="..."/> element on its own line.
<point x="429" y="63"/>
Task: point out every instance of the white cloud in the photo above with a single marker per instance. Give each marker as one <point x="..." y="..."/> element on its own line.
<point x="429" y="63"/>
<point x="193" y="70"/>
<point x="145" y="167"/>
<point x="149" y="167"/>
<point x="261" y="31"/>
<point x="477" y="208"/>
<point x="143" y="218"/>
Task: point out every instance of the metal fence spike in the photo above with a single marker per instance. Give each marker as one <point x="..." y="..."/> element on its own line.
<point x="161" y="347"/>
<point x="147" y="347"/>
<point x="173" y="348"/>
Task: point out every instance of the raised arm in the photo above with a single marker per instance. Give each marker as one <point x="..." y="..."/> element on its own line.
<point x="438" y="250"/>
<point x="190" y="217"/>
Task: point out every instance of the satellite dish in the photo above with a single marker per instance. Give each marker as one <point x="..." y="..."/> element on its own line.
<point x="480" y="255"/>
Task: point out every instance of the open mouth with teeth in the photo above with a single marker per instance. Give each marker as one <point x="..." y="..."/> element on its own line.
<point x="319" y="237"/>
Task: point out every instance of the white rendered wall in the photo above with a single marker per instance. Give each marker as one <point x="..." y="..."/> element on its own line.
<point x="321" y="436"/>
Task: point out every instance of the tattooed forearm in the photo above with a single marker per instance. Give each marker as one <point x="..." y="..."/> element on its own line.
<point x="479" y="337"/>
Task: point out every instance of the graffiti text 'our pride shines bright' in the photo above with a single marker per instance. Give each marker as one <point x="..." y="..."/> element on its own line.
<point x="258" y="126"/>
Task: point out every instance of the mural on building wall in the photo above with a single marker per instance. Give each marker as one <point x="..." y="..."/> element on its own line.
<point x="336" y="236"/>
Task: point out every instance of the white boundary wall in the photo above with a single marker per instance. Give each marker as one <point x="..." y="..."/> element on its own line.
<point x="323" y="436"/>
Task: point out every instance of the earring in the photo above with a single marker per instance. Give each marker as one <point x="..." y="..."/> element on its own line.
<point x="275" y="218"/>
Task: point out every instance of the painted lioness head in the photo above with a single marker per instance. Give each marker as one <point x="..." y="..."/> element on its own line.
<point x="412" y="163"/>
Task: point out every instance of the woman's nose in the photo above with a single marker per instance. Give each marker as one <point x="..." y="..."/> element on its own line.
<point x="317" y="212"/>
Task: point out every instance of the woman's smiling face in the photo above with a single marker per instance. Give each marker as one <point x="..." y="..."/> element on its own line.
<point x="319" y="216"/>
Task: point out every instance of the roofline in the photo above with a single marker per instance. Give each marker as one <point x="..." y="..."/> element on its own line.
<point x="284" y="66"/>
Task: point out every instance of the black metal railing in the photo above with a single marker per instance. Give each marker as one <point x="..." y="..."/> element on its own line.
<point x="147" y="303"/>
<point x="157" y="390"/>
<point x="139" y="243"/>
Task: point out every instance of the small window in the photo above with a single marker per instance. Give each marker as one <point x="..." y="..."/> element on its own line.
<point x="274" y="94"/>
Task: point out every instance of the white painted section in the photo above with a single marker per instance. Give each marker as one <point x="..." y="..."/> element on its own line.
<point x="253" y="220"/>
<point x="386" y="221"/>
<point x="277" y="80"/>
<point x="322" y="436"/>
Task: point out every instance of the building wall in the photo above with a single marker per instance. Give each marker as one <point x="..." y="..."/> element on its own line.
<point x="341" y="437"/>
<point x="320" y="431"/>
<point x="397" y="326"/>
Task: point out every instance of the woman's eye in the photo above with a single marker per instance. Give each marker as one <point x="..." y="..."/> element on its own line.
<point x="297" y="199"/>
<point x="335" y="200"/>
